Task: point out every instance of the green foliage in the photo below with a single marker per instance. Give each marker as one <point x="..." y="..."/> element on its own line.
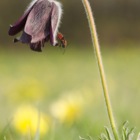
<point x="127" y="134"/>
<point x="4" y="131"/>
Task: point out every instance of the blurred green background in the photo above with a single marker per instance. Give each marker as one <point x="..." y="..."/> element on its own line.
<point x="41" y="79"/>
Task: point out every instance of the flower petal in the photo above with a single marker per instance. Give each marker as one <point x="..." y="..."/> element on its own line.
<point x="25" y="38"/>
<point x="38" y="19"/>
<point x="55" y="21"/>
<point x="36" y="46"/>
<point x="19" y="25"/>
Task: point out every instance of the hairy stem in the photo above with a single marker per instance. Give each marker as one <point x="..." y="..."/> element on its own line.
<point x="96" y="47"/>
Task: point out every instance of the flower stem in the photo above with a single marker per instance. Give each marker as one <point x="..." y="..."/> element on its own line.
<point x="96" y="47"/>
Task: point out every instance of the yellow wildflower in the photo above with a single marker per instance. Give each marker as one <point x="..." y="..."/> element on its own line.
<point x="27" y="89"/>
<point x="67" y="109"/>
<point x="28" y="119"/>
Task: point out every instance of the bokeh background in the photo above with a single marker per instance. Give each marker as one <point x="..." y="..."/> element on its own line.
<point x="64" y="85"/>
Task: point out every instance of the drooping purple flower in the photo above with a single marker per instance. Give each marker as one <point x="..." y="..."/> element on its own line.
<point x="39" y="24"/>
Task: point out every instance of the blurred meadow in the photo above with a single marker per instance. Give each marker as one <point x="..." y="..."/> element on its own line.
<point x="58" y="91"/>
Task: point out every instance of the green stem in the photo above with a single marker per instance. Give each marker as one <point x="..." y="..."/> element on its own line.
<point x="96" y="47"/>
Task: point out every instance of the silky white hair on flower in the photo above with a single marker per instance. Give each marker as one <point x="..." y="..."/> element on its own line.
<point x="40" y="23"/>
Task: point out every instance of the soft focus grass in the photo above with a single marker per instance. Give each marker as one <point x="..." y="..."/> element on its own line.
<point x="41" y="79"/>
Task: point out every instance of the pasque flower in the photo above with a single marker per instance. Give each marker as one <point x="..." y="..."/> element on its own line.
<point x="39" y="23"/>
